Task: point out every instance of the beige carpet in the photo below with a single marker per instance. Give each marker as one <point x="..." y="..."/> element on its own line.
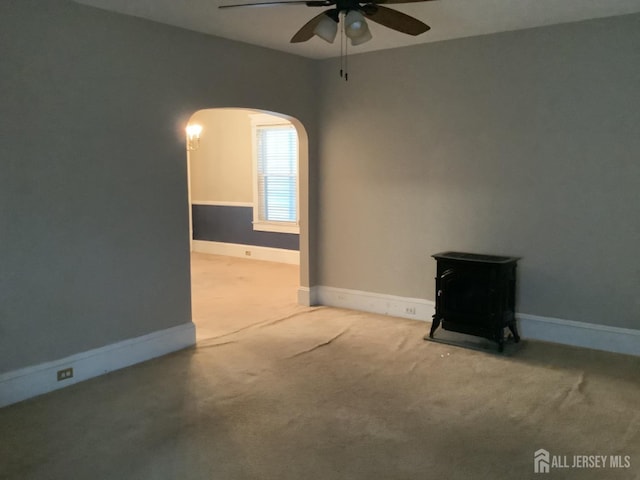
<point x="329" y="394"/>
<point x="232" y="293"/>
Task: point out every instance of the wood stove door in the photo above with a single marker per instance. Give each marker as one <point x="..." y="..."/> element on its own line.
<point x="467" y="296"/>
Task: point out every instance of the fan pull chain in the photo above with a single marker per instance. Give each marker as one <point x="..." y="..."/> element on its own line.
<point x="341" y="47"/>
<point x="346" y="61"/>
<point x="344" y="45"/>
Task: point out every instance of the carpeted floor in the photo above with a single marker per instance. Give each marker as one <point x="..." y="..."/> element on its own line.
<point x="232" y="293"/>
<point x="322" y="393"/>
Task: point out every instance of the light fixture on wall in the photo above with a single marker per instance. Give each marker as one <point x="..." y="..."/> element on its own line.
<point x="193" y="136"/>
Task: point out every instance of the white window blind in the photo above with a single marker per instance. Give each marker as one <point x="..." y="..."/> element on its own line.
<point x="277" y="169"/>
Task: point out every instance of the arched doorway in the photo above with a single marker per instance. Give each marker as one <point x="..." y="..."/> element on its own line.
<point x="222" y="193"/>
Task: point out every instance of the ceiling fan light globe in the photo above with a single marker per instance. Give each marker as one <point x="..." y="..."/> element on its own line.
<point x="365" y="37"/>
<point x="354" y="24"/>
<point x="326" y="29"/>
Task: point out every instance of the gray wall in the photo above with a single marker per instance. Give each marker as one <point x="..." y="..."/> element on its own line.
<point x="94" y="243"/>
<point x="523" y="143"/>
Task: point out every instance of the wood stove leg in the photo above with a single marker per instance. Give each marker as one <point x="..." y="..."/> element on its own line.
<point x="499" y="339"/>
<point x="435" y="323"/>
<point x="514" y="331"/>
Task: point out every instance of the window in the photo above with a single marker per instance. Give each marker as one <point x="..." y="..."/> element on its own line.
<point x="276" y="175"/>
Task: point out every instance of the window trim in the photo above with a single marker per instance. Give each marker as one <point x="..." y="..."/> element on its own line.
<point x="262" y="120"/>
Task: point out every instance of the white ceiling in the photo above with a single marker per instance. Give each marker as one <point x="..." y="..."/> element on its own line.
<point x="273" y="26"/>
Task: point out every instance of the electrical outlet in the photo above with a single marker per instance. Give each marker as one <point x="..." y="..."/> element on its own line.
<point x="64" y="374"/>
<point x="410" y="310"/>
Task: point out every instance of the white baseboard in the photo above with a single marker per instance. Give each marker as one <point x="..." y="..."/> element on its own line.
<point x="304" y="296"/>
<point x="580" y="334"/>
<point x="256" y="253"/>
<point x="414" y="308"/>
<point x="28" y="382"/>
<point x="567" y="332"/>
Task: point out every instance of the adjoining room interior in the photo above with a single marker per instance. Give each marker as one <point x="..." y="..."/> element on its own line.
<point x="519" y="142"/>
<point x="243" y="189"/>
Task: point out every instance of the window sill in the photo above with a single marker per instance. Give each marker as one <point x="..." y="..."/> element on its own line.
<point x="276" y="227"/>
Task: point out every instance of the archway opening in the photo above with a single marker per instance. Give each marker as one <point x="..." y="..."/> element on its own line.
<point x="245" y="270"/>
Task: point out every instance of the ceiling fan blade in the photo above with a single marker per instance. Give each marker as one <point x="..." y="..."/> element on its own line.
<point x="377" y="2"/>
<point x="306" y="32"/>
<point x="394" y="19"/>
<point x="308" y="3"/>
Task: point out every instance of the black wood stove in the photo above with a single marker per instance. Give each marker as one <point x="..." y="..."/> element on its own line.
<point x="475" y="295"/>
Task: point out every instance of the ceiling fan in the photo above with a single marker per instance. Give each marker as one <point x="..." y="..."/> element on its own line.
<point x="353" y="13"/>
